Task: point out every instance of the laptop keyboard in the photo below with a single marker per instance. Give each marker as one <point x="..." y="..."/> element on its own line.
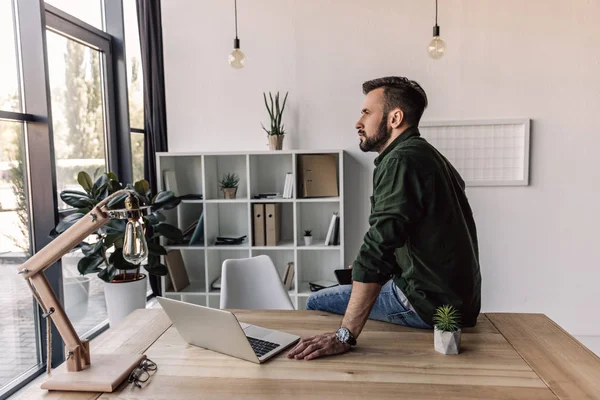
<point x="261" y="347"/>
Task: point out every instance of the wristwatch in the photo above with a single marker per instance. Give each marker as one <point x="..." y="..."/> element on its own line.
<point x="345" y="336"/>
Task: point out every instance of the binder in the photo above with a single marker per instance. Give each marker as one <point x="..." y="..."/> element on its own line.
<point x="272" y="219"/>
<point x="317" y="175"/>
<point x="258" y="220"/>
<point x="177" y="271"/>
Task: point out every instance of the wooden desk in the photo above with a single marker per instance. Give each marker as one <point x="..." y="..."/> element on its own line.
<point x="507" y="356"/>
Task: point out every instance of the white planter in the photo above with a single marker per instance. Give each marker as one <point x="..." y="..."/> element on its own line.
<point x="124" y="297"/>
<point x="76" y="291"/>
<point x="446" y="342"/>
<point x="308" y="240"/>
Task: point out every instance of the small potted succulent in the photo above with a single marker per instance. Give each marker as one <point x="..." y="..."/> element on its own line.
<point x="229" y="184"/>
<point x="447" y="330"/>
<point x="276" y="131"/>
<point x="308" y="237"/>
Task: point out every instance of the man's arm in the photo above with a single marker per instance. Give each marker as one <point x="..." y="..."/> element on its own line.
<point x="361" y="302"/>
<point x="362" y="299"/>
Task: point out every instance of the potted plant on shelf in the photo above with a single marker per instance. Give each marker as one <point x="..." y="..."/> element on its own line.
<point x="125" y="287"/>
<point x="308" y="237"/>
<point x="446" y="330"/>
<point x="276" y="131"/>
<point x="229" y="184"/>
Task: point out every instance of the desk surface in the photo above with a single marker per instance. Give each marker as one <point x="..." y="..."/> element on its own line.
<point x="516" y="356"/>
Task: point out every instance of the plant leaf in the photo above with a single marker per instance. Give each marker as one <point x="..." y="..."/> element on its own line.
<point x="84" y="179"/>
<point x="116" y="259"/>
<point x="90" y="264"/>
<point x="169" y="231"/>
<point x="154" y="218"/>
<point x="68" y="221"/>
<point x="156" y="249"/>
<point x="142" y="187"/>
<point x="112" y="203"/>
<point x="77" y="199"/>
<point x="92" y="248"/>
<point x="108" y="274"/>
<point x="160" y="269"/>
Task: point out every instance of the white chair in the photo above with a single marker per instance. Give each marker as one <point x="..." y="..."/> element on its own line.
<point x="253" y="284"/>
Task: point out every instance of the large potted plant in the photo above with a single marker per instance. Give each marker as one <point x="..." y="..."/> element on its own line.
<point x="276" y="131"/>
<point x="125" y="287"/>
<point x="447" y="330"/>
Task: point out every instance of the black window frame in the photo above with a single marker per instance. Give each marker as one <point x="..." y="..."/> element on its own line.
<point x="33" y="17"/>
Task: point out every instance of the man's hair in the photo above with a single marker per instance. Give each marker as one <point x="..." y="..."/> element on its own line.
<point x="400" y="92"/>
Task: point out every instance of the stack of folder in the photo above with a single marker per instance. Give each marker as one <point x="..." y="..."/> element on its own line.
<point x="266" y="223"/>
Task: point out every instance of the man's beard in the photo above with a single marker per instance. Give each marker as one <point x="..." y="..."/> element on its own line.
<point x="374" y="143"/>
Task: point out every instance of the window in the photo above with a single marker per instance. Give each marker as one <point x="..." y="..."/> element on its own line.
<point x="89" y="11"/>
<point x="77" y="110"/>
<point x="135" y="86"/>
<point x="9" y="83"/>
<point x="18" y="336"/>
<point x="82" y="79"/>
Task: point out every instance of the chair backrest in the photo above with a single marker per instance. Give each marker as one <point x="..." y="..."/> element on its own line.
<point x="253" y="284"/>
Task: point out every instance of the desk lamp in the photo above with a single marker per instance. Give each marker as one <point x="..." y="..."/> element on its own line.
<point x="108" y="370"/>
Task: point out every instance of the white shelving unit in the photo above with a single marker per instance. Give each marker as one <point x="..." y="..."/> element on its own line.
<point x="259" y="172"/>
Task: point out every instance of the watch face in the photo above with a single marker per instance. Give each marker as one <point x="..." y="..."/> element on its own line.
<point x="343" y="335"/>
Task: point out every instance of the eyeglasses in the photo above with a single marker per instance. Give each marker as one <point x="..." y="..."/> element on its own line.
<point x="141" y="373"/>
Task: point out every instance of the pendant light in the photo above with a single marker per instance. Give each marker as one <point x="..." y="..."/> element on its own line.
<point x="437" y="47"/>
<point x="237" y="59"/>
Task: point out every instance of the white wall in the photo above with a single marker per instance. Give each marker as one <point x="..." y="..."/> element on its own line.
<point x="506" y="59"/>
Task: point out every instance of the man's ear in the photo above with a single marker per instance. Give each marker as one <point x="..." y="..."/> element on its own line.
<point x="396" y="118"/>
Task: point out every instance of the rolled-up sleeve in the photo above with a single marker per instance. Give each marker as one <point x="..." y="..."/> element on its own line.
<point x="396" y="204"/>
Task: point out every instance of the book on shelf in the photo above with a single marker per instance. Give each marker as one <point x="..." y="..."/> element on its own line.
<point x="177" y="272"/>
<point x="329" y="239"/>
<point x="288" y="188"/>
<point x="229" y="240"/>
<point x="288" y="277"/>
<point x="198" y="235"/>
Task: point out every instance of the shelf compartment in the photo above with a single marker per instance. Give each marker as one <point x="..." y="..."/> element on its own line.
<point x="316" y="265"/>
<point x="315" y="216"/>
<point x="188" y="174"/>
<point x="268" y="172"/>
<point x="226" y="219"/>
<point x="280" y="259"/>
<point x="193" y="261"/>
<point x="215" y="259"/>
<point x="286" y="224"/>
<point x="218" y="166"/>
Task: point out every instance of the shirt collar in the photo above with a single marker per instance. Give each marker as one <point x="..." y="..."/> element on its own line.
<point x="408" y="133"/>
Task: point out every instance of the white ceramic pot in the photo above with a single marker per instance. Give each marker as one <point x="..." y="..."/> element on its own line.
<point x="308" y="240"/>
<point x="446" y="342"/>
<point x="76" y="291"/>
<point x="124" y="297"/>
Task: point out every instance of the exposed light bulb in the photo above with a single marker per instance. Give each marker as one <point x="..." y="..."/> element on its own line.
<point x="237" y="59"/>
<point x="135" y="248"/>
<point x="436" y="47"/>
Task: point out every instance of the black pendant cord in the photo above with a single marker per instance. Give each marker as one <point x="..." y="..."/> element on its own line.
<point x="436" y="12"/>
<point x="236" y="31"/>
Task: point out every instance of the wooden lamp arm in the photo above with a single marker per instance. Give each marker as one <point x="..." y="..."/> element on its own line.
<point x="77" y="351"/>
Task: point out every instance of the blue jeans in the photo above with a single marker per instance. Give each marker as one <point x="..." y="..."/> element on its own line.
<point x="387" y="308"/>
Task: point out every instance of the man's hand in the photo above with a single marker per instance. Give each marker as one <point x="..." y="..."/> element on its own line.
<point x="318" y="346"/>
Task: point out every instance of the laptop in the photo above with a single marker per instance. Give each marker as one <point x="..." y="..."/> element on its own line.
<point x="220" y="331"/>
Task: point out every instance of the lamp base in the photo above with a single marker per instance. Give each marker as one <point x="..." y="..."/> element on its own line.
<point x="105" y="374"/>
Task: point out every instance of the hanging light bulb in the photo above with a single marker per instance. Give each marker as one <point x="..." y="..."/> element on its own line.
<point x="135" y="248"/>
<point x="237" y="59"/>
<point x="437" y="47"/>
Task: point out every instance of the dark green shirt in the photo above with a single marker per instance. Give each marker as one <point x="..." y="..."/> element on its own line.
<point x="422" y="233"/>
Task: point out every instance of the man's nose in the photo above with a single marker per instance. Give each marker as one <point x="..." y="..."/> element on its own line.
<point x="359" y="125"/>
